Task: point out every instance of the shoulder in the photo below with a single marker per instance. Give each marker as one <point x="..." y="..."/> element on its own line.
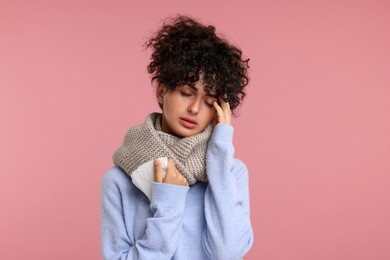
<point x="116" y="179"/>
<point x="117" y="187"/>
<point x="115" y="175"/>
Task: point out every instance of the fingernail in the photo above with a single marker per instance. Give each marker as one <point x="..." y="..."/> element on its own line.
<point x="156" y="162"/>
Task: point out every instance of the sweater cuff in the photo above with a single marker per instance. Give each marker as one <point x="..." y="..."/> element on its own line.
<point x="168" y="195"/>
<point x="223" y="132"/>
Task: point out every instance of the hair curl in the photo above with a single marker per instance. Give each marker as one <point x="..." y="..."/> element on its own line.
<point x="183" y="49"/>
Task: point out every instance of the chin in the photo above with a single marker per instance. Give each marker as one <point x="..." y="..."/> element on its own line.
<point x="186" y="132"/>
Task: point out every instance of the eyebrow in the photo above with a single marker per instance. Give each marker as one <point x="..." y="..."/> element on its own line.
<point x="207" y="94"/>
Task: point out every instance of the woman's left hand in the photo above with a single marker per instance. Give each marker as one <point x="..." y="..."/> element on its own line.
<point x="224" y="114"/>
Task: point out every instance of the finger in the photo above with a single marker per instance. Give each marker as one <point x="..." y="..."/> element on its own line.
<point x="158" y="172"/>
<point x="228" y="106"/>
<point x="181" y="178"/>
<point x="220" y="113"/>
<point x="225" y="105"/>
<point x="171" y="167"/>
<point x="185" y="181"/>
<point x="214" y="122"/>
<point x="226" y="110"/>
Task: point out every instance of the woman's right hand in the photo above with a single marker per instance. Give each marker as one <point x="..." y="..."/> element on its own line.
<point x="172" y="176"/>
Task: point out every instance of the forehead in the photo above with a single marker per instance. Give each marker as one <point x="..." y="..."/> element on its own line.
<point x="200" y="87"/>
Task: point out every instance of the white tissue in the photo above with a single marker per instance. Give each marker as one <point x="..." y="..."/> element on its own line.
<point x="143" y="176"/>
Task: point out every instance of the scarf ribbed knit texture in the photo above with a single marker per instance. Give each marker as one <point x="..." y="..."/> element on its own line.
<point x="146" y="142"/>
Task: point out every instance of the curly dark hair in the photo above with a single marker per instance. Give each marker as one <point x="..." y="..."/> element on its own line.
<point x="183" y="48"/>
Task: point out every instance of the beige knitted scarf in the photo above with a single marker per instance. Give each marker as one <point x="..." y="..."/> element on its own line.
<point x="146" y="142"/>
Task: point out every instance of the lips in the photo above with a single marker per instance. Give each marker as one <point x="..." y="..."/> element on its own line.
<point x="188" y="122"/>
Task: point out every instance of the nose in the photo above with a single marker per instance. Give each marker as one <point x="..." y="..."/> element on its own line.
<point x="194" y="107"/>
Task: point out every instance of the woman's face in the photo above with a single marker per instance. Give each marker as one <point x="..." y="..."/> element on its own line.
<point x="187" y="110"/>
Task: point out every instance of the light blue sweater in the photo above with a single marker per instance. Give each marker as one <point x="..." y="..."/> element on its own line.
<point x="204" y="221"/>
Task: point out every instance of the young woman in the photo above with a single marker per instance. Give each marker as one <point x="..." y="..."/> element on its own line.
<point x="200" y="208"/>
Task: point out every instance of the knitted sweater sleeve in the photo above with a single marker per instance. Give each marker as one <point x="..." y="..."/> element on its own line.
<point x="163" y="229"/>
<point x="228" y="233"/>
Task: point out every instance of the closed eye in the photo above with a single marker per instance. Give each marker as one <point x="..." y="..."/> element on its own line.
<point x="184" y="94"/>
<point x="209" y="102"/>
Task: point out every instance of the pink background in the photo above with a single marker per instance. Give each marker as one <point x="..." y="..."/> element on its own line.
<point x="314" y="130"/>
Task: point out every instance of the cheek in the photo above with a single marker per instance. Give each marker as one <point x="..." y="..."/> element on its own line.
<point x="174" y="101"/>
<point x="210" y="115"/>
<point x="168" y="103"/>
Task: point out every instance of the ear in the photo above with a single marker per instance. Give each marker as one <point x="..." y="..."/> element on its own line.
<point x="160" y="94"/>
